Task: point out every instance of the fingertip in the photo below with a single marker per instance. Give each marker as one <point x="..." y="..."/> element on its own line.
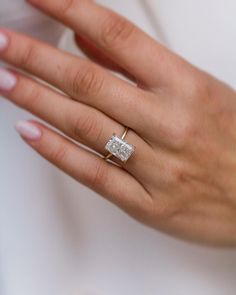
<point x="28" y="130"/>
<point x="7" y="80"/>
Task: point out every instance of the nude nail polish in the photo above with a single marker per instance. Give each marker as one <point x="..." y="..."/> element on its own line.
<point x="28" y="130"/>
<point x="7" y="80"/>
<point x="3" y="41"/>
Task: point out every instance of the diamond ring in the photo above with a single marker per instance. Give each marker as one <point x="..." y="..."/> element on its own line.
<point x="118" y="147"/>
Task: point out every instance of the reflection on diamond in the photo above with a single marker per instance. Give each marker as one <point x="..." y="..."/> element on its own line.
<point x="119" y="148"/>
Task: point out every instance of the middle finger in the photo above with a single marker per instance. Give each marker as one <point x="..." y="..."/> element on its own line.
<point x="81" y="79"/>
<point x="77" y="120"/>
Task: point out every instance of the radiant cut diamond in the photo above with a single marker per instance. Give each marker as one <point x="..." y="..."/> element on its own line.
<point x="119" y="148"/>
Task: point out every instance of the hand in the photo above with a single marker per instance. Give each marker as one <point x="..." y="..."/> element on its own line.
<point x="182" y="176"/>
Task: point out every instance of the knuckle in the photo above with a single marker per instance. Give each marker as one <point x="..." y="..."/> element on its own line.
<point x="32" y="98"/>
<point x="86" y="127"/>
<point x="177" y="175"/>
<point x="59" y="155"/>
<point x="29" y="56"/>
<point x="87" y="81"/>
<point x="115" y="30"/>
<point x="99" y="176"/>
<point x="181" y="135"/>
<point x="26" y="94"/>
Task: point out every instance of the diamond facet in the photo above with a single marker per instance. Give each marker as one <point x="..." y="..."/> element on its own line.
<point x="119" y="148"/>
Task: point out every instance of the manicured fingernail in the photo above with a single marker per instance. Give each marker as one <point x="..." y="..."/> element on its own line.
<point x="7" y="80"/>
<point x="28" y="130"/>
<point x="3" y="41"/>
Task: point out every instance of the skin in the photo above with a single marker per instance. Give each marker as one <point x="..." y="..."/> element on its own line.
<point x="181" y="179"/>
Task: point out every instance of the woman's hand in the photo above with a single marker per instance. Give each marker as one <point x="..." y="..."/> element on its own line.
<point x="182" y="176"/>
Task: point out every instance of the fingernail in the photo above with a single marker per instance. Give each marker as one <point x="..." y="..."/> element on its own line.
<point x="3" y="41"/>
<point x="7" y="80"/>
<point x="28" y="130"/>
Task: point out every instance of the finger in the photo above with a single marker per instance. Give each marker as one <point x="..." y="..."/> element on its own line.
<point x="79" y="78"/>
<point x="78" y="121"/>
<point x="96" y="55"/>
<point x="106" y="179"/>
<point x="123" y="42"/>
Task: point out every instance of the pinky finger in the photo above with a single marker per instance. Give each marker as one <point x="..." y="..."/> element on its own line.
<point x="110" y="181"/>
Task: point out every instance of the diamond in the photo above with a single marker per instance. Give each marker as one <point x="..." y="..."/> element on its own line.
<point x="119" y="148"/>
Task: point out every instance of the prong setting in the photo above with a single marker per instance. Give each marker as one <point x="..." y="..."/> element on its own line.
<point x="119" y="148"/>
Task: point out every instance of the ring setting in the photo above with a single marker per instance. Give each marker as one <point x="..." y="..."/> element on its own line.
<point x="119" y="148"/>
